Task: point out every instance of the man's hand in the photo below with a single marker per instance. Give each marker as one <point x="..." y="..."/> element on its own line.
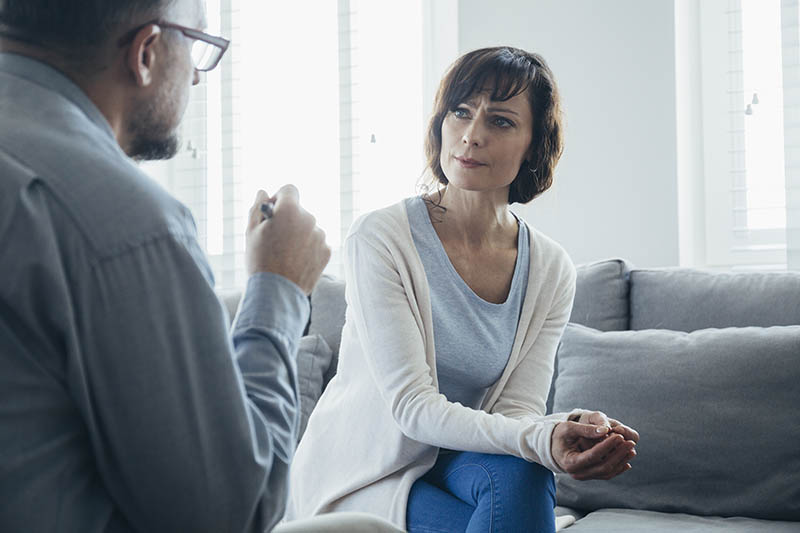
<point x="289" y="243"/>
<point x="594" y="447"/>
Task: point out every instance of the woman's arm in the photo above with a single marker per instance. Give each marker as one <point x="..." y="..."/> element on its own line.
<point x="584" y="444"/>
<point x="391" y="334"/>
<point x="525" y="393"/>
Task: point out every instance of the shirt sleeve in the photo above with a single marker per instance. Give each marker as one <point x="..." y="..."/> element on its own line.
<point x="192" y="428"/>
<point x="392" y="338"/>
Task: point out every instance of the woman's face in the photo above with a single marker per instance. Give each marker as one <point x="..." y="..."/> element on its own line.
<point x="484" y="142"/>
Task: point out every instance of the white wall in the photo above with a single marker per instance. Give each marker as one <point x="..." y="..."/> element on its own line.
<point x="615" y="191"/>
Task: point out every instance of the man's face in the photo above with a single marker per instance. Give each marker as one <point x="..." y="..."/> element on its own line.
<point x="153" y="124"/>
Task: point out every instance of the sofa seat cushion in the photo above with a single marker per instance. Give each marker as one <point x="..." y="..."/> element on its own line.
<point x="601" y="295"/>
<point x="716" y="411"/>
<point x="686" y="300"/>
<point x="632" y="521"/>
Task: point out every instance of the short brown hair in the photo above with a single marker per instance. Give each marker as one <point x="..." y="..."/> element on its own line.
<point x="508" y="72"/>
<point x="73" y="24"/>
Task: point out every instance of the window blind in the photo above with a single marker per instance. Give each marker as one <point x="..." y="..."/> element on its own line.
<point x="790" y="51"/>
<point x="326" y="96"/>
<point x="755" y="130"/>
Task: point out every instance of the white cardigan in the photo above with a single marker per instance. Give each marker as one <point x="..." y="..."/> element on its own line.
<point x="380" y="423"/>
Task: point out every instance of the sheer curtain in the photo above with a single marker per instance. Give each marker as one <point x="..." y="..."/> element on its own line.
<point x="325" y="95"/>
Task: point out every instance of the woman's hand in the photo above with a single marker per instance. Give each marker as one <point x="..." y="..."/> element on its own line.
<point x="594" y="446"/>
<point x="598" y="418"/>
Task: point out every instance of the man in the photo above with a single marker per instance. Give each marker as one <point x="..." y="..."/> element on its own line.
<point x="124" y="403"/>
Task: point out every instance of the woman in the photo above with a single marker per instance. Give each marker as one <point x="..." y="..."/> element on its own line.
<point x="435" y="419"/>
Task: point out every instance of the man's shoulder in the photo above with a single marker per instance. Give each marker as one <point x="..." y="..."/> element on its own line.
<point x="99" y="191"/>
<point x="49" y="141"/>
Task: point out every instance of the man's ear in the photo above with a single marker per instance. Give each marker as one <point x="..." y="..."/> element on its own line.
<point x="141" y="57"/>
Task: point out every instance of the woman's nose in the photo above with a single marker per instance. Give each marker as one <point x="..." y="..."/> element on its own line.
<point x="473" y="134"/>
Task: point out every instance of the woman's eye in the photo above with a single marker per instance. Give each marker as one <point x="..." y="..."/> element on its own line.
<point x="502" y="122"/>
<point x="460" y="112"/>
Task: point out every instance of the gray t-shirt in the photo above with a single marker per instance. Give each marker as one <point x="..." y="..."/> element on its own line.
<point x="473" y="337"/>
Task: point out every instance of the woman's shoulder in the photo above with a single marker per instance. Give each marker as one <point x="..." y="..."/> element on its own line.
<point x="388" y="223"/>
<point x="549" y="253"/>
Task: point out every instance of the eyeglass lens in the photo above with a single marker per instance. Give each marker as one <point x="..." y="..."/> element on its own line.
<point x="205" y="55"/>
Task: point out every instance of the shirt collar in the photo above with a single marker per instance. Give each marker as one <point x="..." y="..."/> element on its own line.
<point x="50" y="78"/>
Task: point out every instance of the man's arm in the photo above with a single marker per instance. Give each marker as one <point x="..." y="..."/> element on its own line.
<point x="188" y="434"/>
<point x="193" y="432"/>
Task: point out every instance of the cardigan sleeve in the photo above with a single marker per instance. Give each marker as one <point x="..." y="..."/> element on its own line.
<point x="525" y="394"/>
<point x="391" y="336"/>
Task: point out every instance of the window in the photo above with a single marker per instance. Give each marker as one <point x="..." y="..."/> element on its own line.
<point x="321" y="94"/>
<point x="750" y="73"/>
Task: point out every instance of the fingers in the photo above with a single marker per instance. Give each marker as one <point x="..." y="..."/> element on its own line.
<point x="606" y="460"/>
<point x="625" y="431"/>
<point x="573" y="452"/>
<point x="287" y="206"/>
<point x="579" y="461"/>
<point x="597" y="418"/>
<point x="596" y="447"/>
<point x="288" y="194"/>
<point x="254" y="217"/>
<point x="287" y="198"/>
<point x="290" y="244"/>
<point x="576" y="430"/>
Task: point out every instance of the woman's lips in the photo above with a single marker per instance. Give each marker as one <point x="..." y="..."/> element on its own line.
<point x="466" y="162"/>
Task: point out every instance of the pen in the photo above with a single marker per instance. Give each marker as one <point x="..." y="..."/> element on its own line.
<point x="266" y="209"/>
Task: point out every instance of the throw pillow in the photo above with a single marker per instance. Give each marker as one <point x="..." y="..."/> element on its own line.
<point x="328" y="309"/>
<point x="715" y="408"/>
<point x="313" y="359"/>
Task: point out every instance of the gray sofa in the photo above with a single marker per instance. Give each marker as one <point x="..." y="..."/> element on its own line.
<point x="705" y="365"/>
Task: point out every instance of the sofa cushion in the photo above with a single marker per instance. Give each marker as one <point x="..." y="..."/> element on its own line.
<point x="630" y="521"/>
<point x="328" y="308"/>
<point x="601" y="302"/>
<point x="716" y="411"/>
<point x="230" y="300"/>
<point x="601" y="295"/>
<point x="686" y="300"/>
<point x="314" y="357"/>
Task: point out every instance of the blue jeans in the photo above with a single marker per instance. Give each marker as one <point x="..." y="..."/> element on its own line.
<point x="476" y="492"/>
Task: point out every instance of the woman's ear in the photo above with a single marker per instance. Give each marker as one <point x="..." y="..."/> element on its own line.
<point x="142" y="56"/>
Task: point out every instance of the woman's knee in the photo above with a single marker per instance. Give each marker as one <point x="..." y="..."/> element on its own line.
<point x="521" y="477"/>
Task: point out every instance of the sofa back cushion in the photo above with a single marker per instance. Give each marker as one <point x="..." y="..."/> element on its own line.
<point x="601" y="295"/>
<point x="686" y="300"/>
<point x="716" y="411"/>
<point x="230" y="300"/>
<point x="314" y="358"/>
<point x="328" y="308"/>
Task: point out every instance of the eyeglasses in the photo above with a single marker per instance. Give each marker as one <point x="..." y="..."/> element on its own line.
<point x="207" y="50"/>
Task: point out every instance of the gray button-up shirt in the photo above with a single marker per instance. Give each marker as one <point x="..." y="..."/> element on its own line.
<point x="125" y="403"/>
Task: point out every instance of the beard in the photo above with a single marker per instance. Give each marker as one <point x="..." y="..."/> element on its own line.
<point x="152" y="132"/>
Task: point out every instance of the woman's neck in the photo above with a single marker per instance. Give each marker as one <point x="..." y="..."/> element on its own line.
<point x="474" y="219"/>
